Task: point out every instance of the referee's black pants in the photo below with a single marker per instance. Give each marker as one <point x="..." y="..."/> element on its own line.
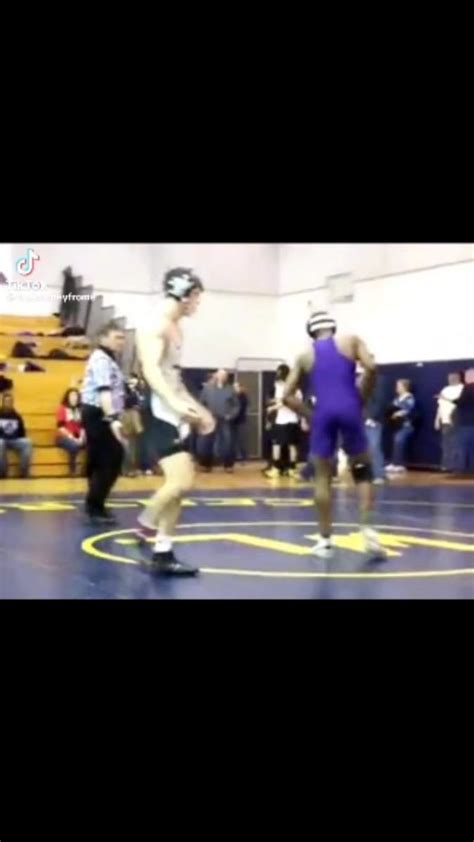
<point x="104" y="459"/>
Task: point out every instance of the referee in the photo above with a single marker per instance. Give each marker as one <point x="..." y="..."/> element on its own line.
<point x="103" y="394"/>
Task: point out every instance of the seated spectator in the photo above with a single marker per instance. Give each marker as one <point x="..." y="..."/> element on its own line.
<point x="71" y="435"/>
<point x="13" y="437"/>
<point x="444" y="421"/>
<point x="401" y="416"/>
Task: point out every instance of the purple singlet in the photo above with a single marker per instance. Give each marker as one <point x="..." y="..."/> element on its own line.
<point x="338" y="409"/>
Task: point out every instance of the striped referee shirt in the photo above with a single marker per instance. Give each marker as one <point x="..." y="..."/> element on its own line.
<point x="103" y="373"/>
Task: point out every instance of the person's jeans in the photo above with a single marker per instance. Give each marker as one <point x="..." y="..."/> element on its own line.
<point x="449" y="447"/>
<point x="400" y="442"/>
<point x="239" y="441"/>
<point x="217" y="446"/>
<point x="22" y="446"/>
<point x="465" y="453"/>
<point x="374" y="438"/>
<point x="72" y="447"/>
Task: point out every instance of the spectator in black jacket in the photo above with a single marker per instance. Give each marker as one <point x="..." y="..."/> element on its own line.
<point x="132" y="425"/>
<point x="465" y="424"/>
<point x="375" y="415"/>
<point x="239" y="424"/>
<point x="13" y="437"/>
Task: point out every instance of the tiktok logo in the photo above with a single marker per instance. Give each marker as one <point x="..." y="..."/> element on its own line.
<point x="26" y="265"/>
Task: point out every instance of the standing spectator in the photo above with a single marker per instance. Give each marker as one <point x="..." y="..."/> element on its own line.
<point x="132" y="425"/>
<point x="465" y="425"/>
<point x="103" y="398"/>
<point x="71" y="436"/>
<point x="375" y="416"/>
<point x="239" y="424"/>
<point x="195" y="444"/>
<point x="13" y="437"/>
<point x="444" y="421"/>
<point x="401" y="416"/>
<point x="308" y="471"/>
<point x="146" y="452"/>
<point x="220" y="399"/>
<point x="211" y="379"/>
<point x="286" y="430"/>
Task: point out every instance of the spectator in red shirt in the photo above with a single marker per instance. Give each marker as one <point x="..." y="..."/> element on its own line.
<point x="71" y="435"/>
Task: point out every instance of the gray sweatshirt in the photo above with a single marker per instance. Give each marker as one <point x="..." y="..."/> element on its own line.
<point x="221" y="402"/>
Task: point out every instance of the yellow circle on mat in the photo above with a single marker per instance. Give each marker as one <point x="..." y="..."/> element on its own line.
<point x="89" y="546"/>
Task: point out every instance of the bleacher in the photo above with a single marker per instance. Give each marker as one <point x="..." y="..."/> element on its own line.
<point x="37" y="394"/>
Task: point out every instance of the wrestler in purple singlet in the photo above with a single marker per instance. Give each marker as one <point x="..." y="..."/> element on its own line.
<point x="338" y="403"/>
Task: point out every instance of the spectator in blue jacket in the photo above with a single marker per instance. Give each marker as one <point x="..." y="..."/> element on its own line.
<point x="401" y="417"/>
<point x="465" y="425"/>
<point x="375" y="416"/>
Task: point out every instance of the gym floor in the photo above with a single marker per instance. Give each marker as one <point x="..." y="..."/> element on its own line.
<point x="250" y="537"/>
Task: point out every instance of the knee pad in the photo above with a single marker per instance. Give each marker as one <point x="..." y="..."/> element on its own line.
<point x="362" y="472"/>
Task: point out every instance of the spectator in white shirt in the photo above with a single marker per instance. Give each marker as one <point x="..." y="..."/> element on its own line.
<point x="286" y="428"/>
<point x="445" y="422"/>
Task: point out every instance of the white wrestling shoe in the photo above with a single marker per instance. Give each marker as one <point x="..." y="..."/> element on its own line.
<point x="323" y="548"/>
<point x="372" y="545"/>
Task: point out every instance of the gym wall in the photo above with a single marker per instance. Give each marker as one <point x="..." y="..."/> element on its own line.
<point x="229" y="326"/>
<point x="122" y="272"/>
<point x="413" y="315"/>
<point x="241" y="268"/>
<point x="257" y="293"/>
<point x="238" y="313"/>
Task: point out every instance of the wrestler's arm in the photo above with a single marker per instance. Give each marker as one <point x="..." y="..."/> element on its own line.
<point x="303" y="364"/>
<point x="367" y="361"/>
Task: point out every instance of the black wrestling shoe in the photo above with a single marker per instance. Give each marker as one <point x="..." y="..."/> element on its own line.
<point x="166" y="564"/>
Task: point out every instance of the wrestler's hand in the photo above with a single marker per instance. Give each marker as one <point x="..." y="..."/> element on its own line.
<point x="207" y="423"/>
<point x="117" y="430"/>
<point x="186" y="410"/>
<point x="299" y="406"/>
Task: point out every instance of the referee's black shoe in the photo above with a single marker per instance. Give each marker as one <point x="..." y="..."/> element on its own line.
<point x="166" y="564"/>
<point x="100" y="519"/>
